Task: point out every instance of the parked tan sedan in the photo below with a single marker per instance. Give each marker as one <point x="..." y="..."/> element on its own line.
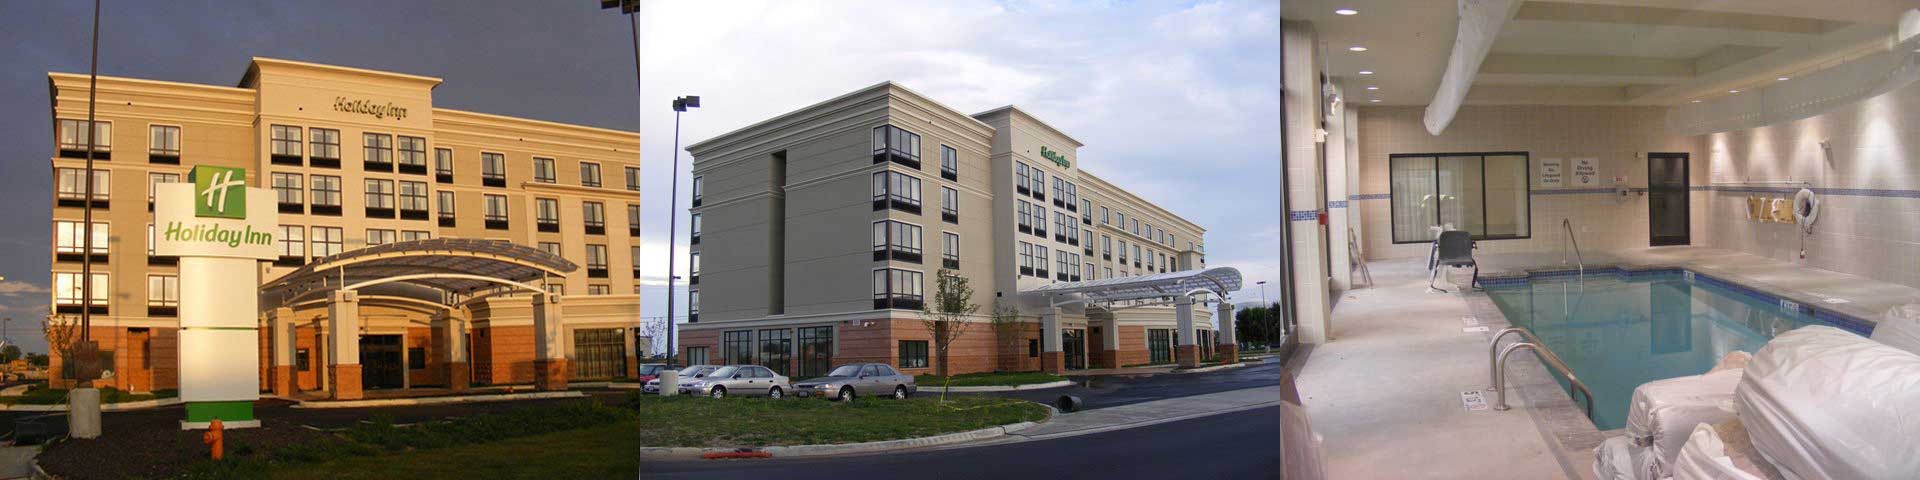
<point x="753" y="380"/>
<point x="849" y="381"/>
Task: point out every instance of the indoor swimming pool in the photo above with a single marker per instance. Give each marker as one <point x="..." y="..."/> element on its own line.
<point x="1617" y="331"/>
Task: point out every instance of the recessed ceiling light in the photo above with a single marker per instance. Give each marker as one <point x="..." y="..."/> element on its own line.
<point x="1357" y="48"/>
<point x="1374" y="100"/>
<point x="1371" y="87"/>
<point x="1347" y="11"/>
<point x="1733" y="91"/>
<point x="1366" y="72"/>
<point x="1782" y="79"/>
<point x="1696" y="101"/>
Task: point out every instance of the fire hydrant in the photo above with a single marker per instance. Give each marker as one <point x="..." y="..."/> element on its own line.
<point x="215" y="438"/>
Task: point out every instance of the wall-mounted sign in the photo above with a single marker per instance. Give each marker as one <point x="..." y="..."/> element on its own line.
<point x="1056" y="157"/>
<point x="1551" y="174"/>
<point x="1586" y="172"/>
<point x="368" y="107"/>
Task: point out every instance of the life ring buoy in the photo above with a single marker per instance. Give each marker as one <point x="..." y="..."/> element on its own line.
<point x="1806" y="207"/>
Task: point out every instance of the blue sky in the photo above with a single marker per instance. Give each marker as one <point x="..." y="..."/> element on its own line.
<point x="564" y="61"/>
<point x="1176" y="101"/>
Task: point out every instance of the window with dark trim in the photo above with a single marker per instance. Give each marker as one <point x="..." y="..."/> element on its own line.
<point x="326" y="148"/>
<point x="949" y="250"/>
<point x="949" y="205"/>
<point x="1487" y="194"/>
<point x="287" y="148"/>
<point x="589" y="174"/>
<point x="413" y="155"/>
<point x="446" y="208"/>
<point x="776" y="347"/>
<point x="913" y="354"/>
<point x="896" y="190"/>
<point x="74" y="137"/>
<point x="897" y="145"/>
<point x="896" y="240"/>
<point x="496" y="212"/>
<point x="326" y="195"/>
<point x="633" y="219"/>
<point x="413" y="200"/>
<point x="633" y="182"/>
<point x="377" y="150"/>
<point x="379" y="198"/>
<point x="816" y="351"/>
<point x="289" y="189"/>
<point x="594" y="216"/>
<point x="443" y="165"/>
<point x="493" y="169"/>
<point x="545" y="170"/>
<point x="546" y="214"/>
<point x="699" y="187"/>
<point x="897" y="288"/>
<point x="163" y="144"/>
<point x="736" y="347"/>
<point x="949" y="163"/>
<point x="596" y="261"/>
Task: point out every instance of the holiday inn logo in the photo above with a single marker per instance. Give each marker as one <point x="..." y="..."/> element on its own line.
<point x="219" y="192"/>
<point x="1056" y="157"/>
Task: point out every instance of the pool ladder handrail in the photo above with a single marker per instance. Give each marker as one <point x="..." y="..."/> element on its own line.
<point x="1582" y="262"/>
<point x="1497" y="365"/>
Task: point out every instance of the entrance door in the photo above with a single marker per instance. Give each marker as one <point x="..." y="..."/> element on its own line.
<point x="1074" y="342"/>
<point x="1097" y="354"/>
<point x="1667" y="199"/>
<point x="380" y="362"/>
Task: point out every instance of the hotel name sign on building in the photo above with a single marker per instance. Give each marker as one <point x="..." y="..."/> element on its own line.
<point x="1056" y="157"/>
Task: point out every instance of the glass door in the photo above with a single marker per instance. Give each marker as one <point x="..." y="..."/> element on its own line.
<point x="1668" y="202"/>
<point x="1074" y="341"/>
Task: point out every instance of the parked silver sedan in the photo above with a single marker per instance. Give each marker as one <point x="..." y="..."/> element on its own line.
<point x="850" y="381"/>
<point x="751" y="380"/>
<point x="691" y="373"/>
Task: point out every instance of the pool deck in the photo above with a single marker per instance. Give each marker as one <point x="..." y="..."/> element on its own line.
<point x="1385" y="393"/>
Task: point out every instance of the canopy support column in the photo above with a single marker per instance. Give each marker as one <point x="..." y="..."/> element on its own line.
<point x="1052" y="359"/>
<point x="1110" y="342"/>
<point x="450" y="335"/>
<point x="1188" y="352"/>
<point x="282" y="335"/>
<point x="343" y="369"/>
<point x="1229" y="346"/>
<point x="549" y="348"/>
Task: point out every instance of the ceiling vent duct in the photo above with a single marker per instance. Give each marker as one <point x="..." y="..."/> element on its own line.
<point x="1480" y="22"/>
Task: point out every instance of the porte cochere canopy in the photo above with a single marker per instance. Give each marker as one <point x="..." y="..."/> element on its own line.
<point x="1217" y="280"/>
<point x="458" y="266"/>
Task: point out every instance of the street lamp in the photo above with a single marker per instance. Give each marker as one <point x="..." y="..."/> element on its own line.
<point x="680" y="105"/>
<point x="1272" y="313"/>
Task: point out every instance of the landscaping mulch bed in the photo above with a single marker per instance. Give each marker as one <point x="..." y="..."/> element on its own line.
<point x="160" y="449"/>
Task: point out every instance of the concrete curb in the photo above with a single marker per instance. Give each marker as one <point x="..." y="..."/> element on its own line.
<point x="1212" y="368"/>
<point x="108" y="407"/>
<point x="1144" y="423"/>
<point x="396" y="402"/>
<point x="997" y="388"/>
<point x="696" y="453"/>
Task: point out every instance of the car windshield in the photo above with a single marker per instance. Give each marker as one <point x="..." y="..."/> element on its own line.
<point x="693" y="370"/>
<point x="723" y="372"/>
<point x="650" y="369"/>
<point x="845" y="371"/>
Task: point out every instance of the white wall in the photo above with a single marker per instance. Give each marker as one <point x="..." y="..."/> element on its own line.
<point x="1618" y="137"/>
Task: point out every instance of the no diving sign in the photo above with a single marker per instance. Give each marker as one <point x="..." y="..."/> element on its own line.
<point x="1473" y="400"/>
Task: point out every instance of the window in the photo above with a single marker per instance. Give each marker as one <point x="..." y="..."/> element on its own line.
<point x="693" y="306"/>
<point x="594" y="215"/>
<point x="326" y="147"/>
<point x="1136" y="254"/>
<point x="596" y="261"/>
<point x="1060" y="226"/>
<point x="552" y="248"/>
<point x="896" y="144"/>
<point x="1159" y="345"/>
<point x="1021" y="174"/>
<point x="1120" y="218"/>
<point x="379" y="236"/>
<point x="699" y="187"/>
<point x="1106" y="247"/>
<point x="544" y="171"/>
<point x="696" y="355"/>
<point x="155" y="179"/>
<point x="599" y="289"/>
<point x="67" y="286"/>
<point x="1059" y="191"/>
<point x="816" y="351"/>
<point x="1064" y="268"/>
<point x="163" y="291"/>
<point x="896" y="240"/>
<point x="163" y="144"/>
<point x="949" y="205"/>
<point x="379" y="198"/>
<point x="415" y="235"/>
<point x="1033" y="348"/>
<point x="546" y="214"/>
<point x="633" y="183"/>
<point x="293" y="242"/>
<point x="949" y="163"/>
<point x="377" y="149"/>
<point x="949" y="250"/>
<point x="1106" y="216"/>
<point x="913" y="354"/>
<point x="1024" y="212"/>
<point x="1039" y="220"/>
<point x="694" y="228"/>
<point x="736" y="347"/>
<point x="776" y="347"/>
<point x="633" y="254"/>
<point x="1073" y="197"/>
<point x="73" y="186"/>
<point x="693" y="265"/>
<point x="443" y="165"/>
<point x="1026" y="258"/>
<point x="71" y="237"/>
<point x="413" y="155"/>
<point x="74" y="137"/>
<point x="446" y="208"/>
<point x="896" y="288"/>
<point x="1040" y="261"/>
<point x="1136" y="227"/>
<point x="896" y="190"/>
<point x="633" y="219"/>
<point x="1106" y="272"/>
<point x="326" y="195"/>
<point x="328" y="241"/>
<point x="590" y="174"/>
<point x="290" y="190"/>
<point x="1086" y="212"/>
<point x="416" y="358"/>
<point x="1123" y="251"/>
<point x="1039" y="184"/>
<point x="1486" y="195"/>
<point x="493" y="169"/>
<point x="496" y="211"/>
<point x="413" y="200"/>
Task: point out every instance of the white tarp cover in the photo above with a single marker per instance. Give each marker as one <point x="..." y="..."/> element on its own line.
<point x="1822" y="403"/>
<point x="1480" y="22"/>
<point x="1664" y="412"/>
<point x="1618" y="458"/>
<point x="1705" y="458"/>
<point x="1900" y="328"/>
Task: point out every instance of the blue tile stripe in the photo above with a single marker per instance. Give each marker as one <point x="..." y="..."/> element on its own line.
<point x="1834" y="318"/>
<point x="1303" y="215"/>
<point x="1337" y="204"/>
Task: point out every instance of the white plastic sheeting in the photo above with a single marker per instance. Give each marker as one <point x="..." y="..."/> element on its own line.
<point x="1900" y="328"/>
<point x="1664" y="412"/>
<point x="1808" y="94"/>
<point x="1480" y="22"/>
<point x="1705" y="458"/>
<point x="1618" y="458"/>
<point x="1822" y="403"/>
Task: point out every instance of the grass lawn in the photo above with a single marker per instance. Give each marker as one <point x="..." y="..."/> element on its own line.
<point x="682" y="421"/>
<point x="49" y="396"/>
<point x="932" y="383"/>
<point x="598" y="452"/>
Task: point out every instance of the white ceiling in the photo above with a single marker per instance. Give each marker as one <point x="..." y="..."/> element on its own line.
<point x="1596" y="52"/>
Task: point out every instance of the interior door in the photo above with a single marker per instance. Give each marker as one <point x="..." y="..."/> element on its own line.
<point x="1668" y="207"/>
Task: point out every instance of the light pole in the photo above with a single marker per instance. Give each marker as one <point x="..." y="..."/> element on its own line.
<point x="631" y="8"/>
<point x="1268" y="306"/>
<point x="680" y="105"/>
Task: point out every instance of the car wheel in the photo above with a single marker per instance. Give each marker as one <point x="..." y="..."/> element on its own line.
<point x="718" y="392"/>
<point x="774" y="393"/>
<point x="846" y="394"/>
<point x="899" y="392"/>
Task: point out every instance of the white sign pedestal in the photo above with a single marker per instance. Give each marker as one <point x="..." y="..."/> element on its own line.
<point x="219" y="359"/>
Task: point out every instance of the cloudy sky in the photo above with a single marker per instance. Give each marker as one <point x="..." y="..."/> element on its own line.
<point x="564" y="61"/>
<point x="1176" y="101"/>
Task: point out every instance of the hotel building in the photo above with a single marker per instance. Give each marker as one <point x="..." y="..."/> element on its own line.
<point x="373" y="182"/>
<point x="818" y="234"/>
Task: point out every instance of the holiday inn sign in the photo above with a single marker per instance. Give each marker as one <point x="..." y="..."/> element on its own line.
<point x="220" y="229"/>
<point x="215" y="215"/>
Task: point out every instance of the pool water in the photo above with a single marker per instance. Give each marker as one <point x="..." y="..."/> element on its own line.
<point x="1616" y="333"/>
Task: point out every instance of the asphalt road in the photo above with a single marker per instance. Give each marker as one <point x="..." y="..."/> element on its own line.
<point x="1243" y="444"/>
<point x="1115" y="390"/>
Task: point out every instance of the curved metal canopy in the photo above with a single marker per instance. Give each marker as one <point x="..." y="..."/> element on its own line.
<point x="1217" y="280"/>
<point x="473" y="260"/>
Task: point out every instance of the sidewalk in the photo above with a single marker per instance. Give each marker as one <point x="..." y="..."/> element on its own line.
<point x="1149" y="413"/>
